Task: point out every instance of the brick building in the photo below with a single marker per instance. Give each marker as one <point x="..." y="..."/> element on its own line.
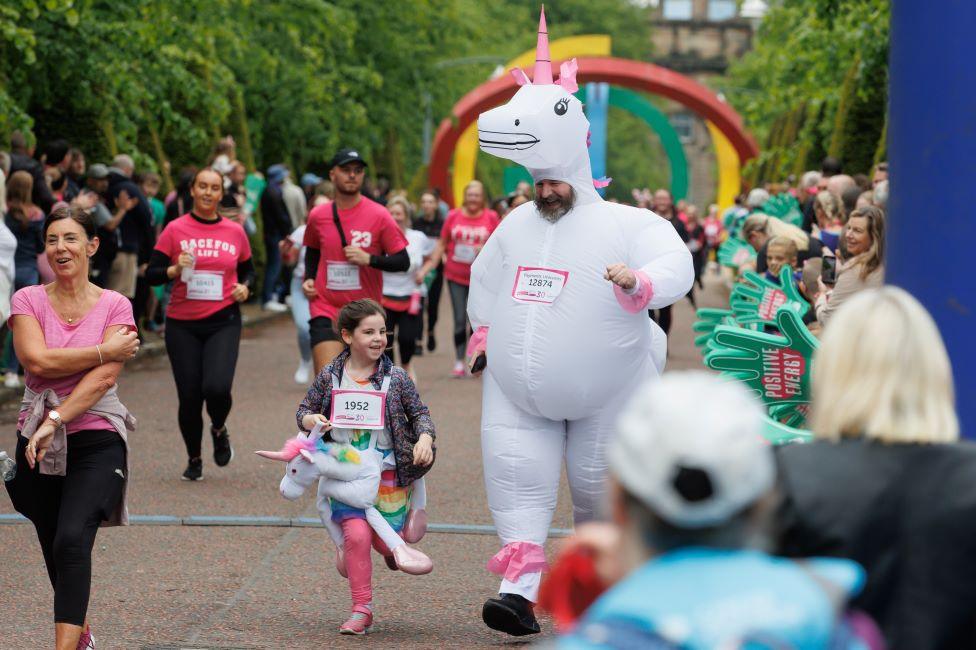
<point x="700" y="38"/>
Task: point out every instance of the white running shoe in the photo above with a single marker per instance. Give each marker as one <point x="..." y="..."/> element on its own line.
<point x="304" y="373"/>
<point x="11" y="380"/>
<point x="273" y="306"/>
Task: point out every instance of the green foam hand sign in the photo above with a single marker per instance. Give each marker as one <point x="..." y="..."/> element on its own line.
<point x="757" y="299"/>
<point x="735" y="252"/>
<point x="708" y="319"/>
<point x="784" y="207"/>
<point x="777" y="433"/>
<point x="776" y="367"/>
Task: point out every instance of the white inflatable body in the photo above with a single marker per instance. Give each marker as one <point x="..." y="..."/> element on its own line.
<point x="562" y="361"/>
<point x="559" y="373"/>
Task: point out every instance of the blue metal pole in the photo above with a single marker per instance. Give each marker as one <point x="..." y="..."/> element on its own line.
<point x="597" y="107"/>
<point x="932" y="148"/>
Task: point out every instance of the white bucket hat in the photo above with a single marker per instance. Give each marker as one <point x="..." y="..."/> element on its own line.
<point x="689" y="446"/>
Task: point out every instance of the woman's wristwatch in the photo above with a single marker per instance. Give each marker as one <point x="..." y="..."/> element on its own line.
<point x="55" y="417"/>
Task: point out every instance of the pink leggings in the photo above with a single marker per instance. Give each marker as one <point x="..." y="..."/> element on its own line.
<point x="359" y="565"/>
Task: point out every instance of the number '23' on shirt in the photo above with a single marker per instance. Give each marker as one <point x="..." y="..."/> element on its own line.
<point x="367" y="225"/>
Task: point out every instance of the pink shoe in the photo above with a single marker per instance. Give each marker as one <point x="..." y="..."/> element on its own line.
<point x="86" y="641"/>
<point x="415" y="527"/>
<point x="458" y="371"/>
<point x="358" y="623"/>
<point x="412" y="561"/>
<point x="341" y="561"/>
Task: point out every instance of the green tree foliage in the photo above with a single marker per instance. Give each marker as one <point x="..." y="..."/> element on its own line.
<point x="291" y="80"/>
<point x="816" y="81"/>
<point x="635" y="157"/>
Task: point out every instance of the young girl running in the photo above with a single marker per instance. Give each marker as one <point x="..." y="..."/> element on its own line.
<point x="353" y="388"/>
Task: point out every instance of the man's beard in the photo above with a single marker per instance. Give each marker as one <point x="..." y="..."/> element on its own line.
<point x="345" y="191"/>
<point x="555" y="207"/>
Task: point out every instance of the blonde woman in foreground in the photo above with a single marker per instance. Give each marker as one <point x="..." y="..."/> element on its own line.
<point x="887" y="483"/>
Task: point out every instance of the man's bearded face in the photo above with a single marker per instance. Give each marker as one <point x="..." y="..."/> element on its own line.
<point x="554" y="199"/>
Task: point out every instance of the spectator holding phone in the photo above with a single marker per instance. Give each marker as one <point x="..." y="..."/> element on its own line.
<point x="864" y="237"/>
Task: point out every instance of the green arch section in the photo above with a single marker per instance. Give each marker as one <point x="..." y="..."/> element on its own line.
<point x="635" y="103"/>
<point x="658" y="122"/>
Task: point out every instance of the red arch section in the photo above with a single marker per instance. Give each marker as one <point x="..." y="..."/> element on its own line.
<point x="635" y="75"/>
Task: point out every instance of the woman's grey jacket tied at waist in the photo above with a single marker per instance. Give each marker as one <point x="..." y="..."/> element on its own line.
<point x="55" y="461"/>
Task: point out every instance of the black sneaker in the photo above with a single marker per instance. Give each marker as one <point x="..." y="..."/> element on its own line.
<point x="431" y="342"/>
<point x="511" y="614"/>
<point x="223" y="452"/>
<point x="194" y="470"/>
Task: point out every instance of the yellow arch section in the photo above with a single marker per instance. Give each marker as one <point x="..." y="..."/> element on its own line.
<point x="729" y="179"/>
<point x="466" y="152"/>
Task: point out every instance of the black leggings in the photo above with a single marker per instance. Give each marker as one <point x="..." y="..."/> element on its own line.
<point x="67" y="510"/>
<point x="459" y="304"/>
<point x="406" y="328"/>
<point x="662" y="317"/>
<point x="433" y="299"/>
<point x="203" y="355"/>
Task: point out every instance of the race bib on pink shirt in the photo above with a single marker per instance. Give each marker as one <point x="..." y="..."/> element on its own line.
<point x="205" y="285"/>
<point x="342" y="276"/>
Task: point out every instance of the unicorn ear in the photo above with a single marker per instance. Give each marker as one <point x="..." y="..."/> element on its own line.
<point x="520" y="77"/>
<point x="307" y="455"/>
<point x="317" y="431"/>
<point x="567" y="76"/>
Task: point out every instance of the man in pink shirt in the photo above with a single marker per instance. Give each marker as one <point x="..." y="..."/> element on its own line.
<point x="349" y="243"/>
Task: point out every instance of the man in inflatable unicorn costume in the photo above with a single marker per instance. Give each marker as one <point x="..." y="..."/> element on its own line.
<point x="559" y="299"/>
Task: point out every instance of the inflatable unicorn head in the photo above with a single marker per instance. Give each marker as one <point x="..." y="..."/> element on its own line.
<point x="543" y="126"/>
<point x="308" y="457"/>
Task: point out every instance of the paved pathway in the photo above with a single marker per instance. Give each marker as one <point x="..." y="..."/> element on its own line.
<point x="193" y="586"/>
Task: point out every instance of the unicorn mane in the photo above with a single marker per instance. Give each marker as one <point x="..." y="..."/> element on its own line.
<point x="294" y="446"/>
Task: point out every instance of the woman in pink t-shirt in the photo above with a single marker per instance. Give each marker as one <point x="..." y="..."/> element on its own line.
<point x="464" y="235"/>
<point x="208" y="259"/>
<point x="72" y="451"/>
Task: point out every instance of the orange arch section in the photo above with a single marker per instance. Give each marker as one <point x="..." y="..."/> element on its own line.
<point x="635" y="75"/>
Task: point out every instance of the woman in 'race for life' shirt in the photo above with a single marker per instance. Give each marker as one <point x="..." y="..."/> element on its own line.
<point x="464" y="235"/>
<point x="349" y="243"/>
<point x="208" y="259"/>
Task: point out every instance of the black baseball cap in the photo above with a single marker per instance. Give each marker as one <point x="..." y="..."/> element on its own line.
<point x="344" y="156"/>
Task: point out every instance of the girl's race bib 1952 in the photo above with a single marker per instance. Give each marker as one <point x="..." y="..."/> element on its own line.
<point x="358" y="409"/>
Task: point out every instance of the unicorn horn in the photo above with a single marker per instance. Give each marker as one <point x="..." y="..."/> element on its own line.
<point x="273" y="455"/>
<point x="543" y="66"/>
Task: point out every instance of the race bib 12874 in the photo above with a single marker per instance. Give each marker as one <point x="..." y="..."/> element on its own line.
<point x="538" y="285"/>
